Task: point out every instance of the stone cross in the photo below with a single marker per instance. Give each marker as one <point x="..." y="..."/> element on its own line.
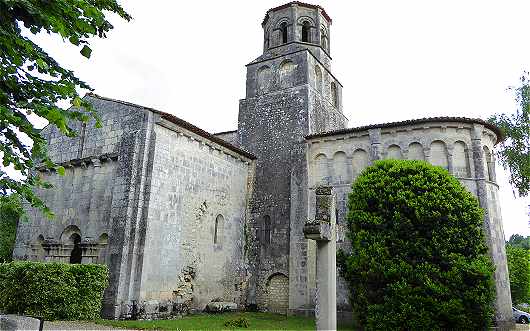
<point x="323" y="230"/>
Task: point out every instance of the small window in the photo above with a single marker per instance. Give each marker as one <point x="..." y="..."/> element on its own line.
<point x="306" y="32"/>
<point x="266" y="233"/>
<point x="283" y="31"/>
<point x="218" y="229"/>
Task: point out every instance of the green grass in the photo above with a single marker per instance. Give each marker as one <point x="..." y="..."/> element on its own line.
<point x="258" y="321"/>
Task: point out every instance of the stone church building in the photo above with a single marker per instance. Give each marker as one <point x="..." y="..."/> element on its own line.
<point x="183" y="217"/>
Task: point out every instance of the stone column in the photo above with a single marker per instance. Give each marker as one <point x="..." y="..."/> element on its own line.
<point x="322" y="229"/>
<point x="375" y="144"/>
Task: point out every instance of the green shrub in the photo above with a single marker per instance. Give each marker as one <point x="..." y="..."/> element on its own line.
<point x="519" y="271"/>
<point x="10" y="212"/>
<point x="239" y="322"/>
<point x="419" y="258"/>
<point x="52" y="290"/>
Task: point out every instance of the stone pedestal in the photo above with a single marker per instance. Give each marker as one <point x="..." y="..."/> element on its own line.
<point x="323" y="230"/>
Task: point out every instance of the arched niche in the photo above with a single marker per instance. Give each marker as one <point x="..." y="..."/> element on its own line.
<point x="67" y="233"/>
<point x="438" y="155"/>
<point x="360" y="160"/>
<point x="461" y="166"/>
<point x="340" y="168"/>
<point x="416" y="152"/>
<point x="394" y="152"/>
<point x="76" y="254"/>
<point x="321" y="169"/>
<point x="287" y="74"/>
<point x="264" y="77"/>
<point x="277" y="293"/>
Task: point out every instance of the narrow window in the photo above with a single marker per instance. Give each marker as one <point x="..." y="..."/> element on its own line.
<point x="218" y="229"/>
<point x="76" y="254"/>
<point x="306" y="37"/>
<point x="266" y="234"/>
<point x="283" y="30"/>
<point x="334" y="96"/>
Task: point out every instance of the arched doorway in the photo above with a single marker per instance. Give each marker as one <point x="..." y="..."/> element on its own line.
<point x="76" y="254"/>
<point x="278" y="294"/>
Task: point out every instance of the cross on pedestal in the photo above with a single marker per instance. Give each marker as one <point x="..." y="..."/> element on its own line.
<point x="323" y="230"/>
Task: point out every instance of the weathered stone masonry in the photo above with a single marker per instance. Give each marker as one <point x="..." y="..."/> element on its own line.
<point x="183" y="217"/>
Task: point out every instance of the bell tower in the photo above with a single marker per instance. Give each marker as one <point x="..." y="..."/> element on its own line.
<point x="290" y="93"/>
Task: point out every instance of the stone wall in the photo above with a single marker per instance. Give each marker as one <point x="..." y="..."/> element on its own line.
<point x="286" y="100"/>
<point x="96" y="199"/>
<point x="195" y="233"/>
<point x="463" y="148"/>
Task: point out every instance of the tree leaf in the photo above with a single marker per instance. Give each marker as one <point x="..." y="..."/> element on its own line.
<point x="60" y="170"/>
<point x="86" y="51"/>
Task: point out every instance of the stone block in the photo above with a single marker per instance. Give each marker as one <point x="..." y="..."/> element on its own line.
<point x="18" y="322"/>
<point x="318" y="230"/>
<point x="221" y="307"/>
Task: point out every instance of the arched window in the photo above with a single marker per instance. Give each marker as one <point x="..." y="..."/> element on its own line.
<point x="306" y="32"/>
<point x="323" y="39"/>
<point x="77" y="253"/>
<point x="283" y="32"/>
<point x="334" y="96"/>
<point x="218" y="229"/>
<point x="266" y="230"/>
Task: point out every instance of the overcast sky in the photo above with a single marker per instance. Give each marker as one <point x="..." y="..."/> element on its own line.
<point x="397" y="60"/>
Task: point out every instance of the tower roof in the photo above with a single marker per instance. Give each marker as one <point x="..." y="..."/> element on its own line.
<point x="303" y="4"/>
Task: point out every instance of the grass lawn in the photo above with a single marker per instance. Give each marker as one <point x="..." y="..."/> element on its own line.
<point x="258" y="321"/>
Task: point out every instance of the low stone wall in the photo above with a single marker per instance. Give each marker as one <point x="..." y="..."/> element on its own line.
<point x="17" y="322"/>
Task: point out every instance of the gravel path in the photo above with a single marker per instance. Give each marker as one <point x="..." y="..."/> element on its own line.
<point x="76" y="325"/>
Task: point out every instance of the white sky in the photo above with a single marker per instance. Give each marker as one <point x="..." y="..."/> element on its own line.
<point x="397" y="60"/>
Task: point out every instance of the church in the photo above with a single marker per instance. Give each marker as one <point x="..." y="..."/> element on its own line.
<point x="183" y="217"/>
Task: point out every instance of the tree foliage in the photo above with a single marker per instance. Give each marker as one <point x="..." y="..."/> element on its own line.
<point x="517" y="240"/>
<point x="10" y="213"/>
<point x="519" y="271"/>
<point x="514" y="151"/>
<point x="419" y="258"/>
<point x="32" y="82"/>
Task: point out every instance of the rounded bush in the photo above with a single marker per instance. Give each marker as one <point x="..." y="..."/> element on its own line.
<point x="419" y="258"/>
<point x="52" y="290"/>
